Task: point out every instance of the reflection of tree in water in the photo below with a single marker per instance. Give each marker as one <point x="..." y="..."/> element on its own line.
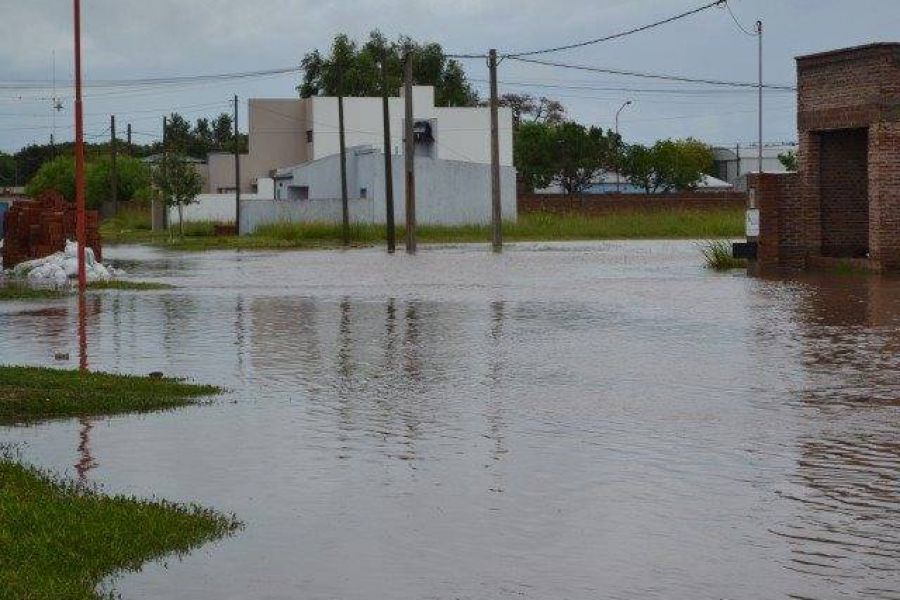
<point x="847" y="481"/>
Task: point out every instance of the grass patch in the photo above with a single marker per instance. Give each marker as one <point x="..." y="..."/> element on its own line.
<point x="124" y="284"/>
<point x="22" y="292"/>
<point x="60" y="540"/>
<point x="719" y="256"/>
<point x="30" y="394"/>
<point x="671" y="224"/>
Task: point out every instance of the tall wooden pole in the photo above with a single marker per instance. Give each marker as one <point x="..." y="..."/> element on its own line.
<point x="81" y="216"/>
<point x="496" y="204"/>
<point x="130" y="150"/>
<point x="165" y="152"/>
<point x="345" y="201"/>
<point x="410" y="152"/>
<point x="388" y="161"/>
<point x="113" y="172"/>
<point x="237" y="171"/>
<point x="759" y="34"/>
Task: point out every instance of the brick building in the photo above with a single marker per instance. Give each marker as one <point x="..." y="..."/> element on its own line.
<point x="844" y="203"/>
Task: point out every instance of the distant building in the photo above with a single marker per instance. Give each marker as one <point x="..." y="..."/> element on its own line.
<point x="448" y="192"/>
<point x="289" y="132"/>
<point x="608" y="182"/>
<point x="733" y="163"/>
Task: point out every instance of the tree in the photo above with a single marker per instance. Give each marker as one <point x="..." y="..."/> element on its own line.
<point x="568" y="154"/>
<point x="132" y="179"/>
<point x="527" y="108"/>
<point x="178" y="182"/>
<point x="789" y="160"/>
<point x="354" y="70"/>
<point x="668" y="165"/>
<point x="204" y="137"/>
<point x="7" y="170"/>
<point x="580" y="154"/>
<point x="533" y="149"/>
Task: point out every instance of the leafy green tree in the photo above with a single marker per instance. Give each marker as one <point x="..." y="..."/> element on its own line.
<point x="354" y="70"/>
<point x="569" y="154"/>
<point x="789" y="160"/>
<point x="7" y="170"/>
<point x="668" y="165"/>
<point x="534" y="145"/>
<point x="526" y="108"/>
<point x="57" y="175"/>
<point x="132" y="179"/>
<point x="178" y="182"/>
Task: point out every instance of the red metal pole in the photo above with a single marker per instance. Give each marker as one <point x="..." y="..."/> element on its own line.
<point x="80" y="220"/>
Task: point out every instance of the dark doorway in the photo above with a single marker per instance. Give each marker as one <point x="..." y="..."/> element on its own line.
<point x="844" y="180"/>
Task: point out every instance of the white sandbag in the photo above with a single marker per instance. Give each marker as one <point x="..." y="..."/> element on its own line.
<point x="57" y="269"/>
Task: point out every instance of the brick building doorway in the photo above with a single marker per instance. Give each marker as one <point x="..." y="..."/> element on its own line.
<point x="844" y="187"/>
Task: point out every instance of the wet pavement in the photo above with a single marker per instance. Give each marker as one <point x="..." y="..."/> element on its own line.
<point x="562" y="421"/>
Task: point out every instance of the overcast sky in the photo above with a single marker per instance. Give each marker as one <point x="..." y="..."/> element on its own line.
<point x="125" y="39"/>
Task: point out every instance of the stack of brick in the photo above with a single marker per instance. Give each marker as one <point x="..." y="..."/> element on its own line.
<point x="41" y="227"/>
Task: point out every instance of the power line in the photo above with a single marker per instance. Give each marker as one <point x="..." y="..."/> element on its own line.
<point x="717" y="82"/>
<point x="621" y="34"/>
<point x="738" y="23"/>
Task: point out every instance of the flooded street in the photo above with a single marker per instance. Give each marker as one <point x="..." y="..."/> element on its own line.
<point x="562" y="421"/>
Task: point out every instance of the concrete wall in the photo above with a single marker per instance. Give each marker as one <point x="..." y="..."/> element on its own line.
<point x="602" y="204"/>
<point x="447" y="192"/>
<point x="219" y="208"/>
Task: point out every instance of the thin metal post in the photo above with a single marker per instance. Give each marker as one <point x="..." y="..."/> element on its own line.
<point x="410" y="151"/>
<point x="496" y="198"/>
<point x="81" y="216"/>
<point x="237" y="171"/>
<point x="388" y="162"/>
<point x="345" y="202"/>
<point x="619" y="166"/>
<point x="759" y="34"/>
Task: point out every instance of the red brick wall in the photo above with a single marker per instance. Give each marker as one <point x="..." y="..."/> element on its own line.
<point x="844" y="193"/>
<point x="600" y="204"/>
<point x="884" y="195"/>
<point x="782" y="240"/>
<point x="39" y="228"/>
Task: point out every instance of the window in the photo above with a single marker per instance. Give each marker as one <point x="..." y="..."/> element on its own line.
<point x="309" y="136"/>
<point x="363" y="193"/>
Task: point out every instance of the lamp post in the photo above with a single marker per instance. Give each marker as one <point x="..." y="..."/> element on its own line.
<point x="618" y="167"/>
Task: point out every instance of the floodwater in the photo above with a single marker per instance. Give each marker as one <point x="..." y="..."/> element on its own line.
<point x="562" y="421"/>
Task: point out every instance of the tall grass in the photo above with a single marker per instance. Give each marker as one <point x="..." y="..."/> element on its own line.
<point x="719" y="256"/>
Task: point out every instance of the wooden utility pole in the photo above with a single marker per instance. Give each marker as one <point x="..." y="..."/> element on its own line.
<point x="165" y="155"/>
<point x="81" y="215"/>
<point x="496" y="205"/>
<point x="410" y="152"/>
<point x="237" y="171"/>
<point x="345" y="201"/>
<point x="113" y="173"/>
<point x="130" y="150"/>
<point x="388" y="161"/>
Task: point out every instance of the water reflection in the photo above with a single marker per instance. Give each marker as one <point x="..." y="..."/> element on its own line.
<point x="846" y="486"/>
<point x="580" y="421"/>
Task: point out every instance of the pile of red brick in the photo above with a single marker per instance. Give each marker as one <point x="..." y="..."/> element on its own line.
<point x="39" y="228"/>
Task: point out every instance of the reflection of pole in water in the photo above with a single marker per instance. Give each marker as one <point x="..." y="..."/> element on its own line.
<point x="82" y="332"/>
<point x="345" y="340"/>
<point x="86" y="461"/>
<point x="411" y="343"/>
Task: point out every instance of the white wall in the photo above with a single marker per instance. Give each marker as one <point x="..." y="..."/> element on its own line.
<point x="219" y="208"/>
<point x="447" y="192"/>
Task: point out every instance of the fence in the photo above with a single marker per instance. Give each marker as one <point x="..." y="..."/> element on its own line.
<point x="600" y="204"/>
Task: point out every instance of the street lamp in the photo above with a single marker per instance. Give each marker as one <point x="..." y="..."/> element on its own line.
<point x="618" y="167"/>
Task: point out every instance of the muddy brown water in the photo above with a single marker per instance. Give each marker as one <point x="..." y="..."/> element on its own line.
<point x="562" y="421"/>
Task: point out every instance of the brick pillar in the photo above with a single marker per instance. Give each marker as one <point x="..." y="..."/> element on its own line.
<point x="809" y="194"/>
<point x="884" y="195"/>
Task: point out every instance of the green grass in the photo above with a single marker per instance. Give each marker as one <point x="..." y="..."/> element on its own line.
<point x="30" y="394"/>
<point x="10" y="292"/>
<point x="124" y="284"/>
<point x="719" y="256"/>
<point x="59" y="540"/>
<point x="673" y="224"/>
